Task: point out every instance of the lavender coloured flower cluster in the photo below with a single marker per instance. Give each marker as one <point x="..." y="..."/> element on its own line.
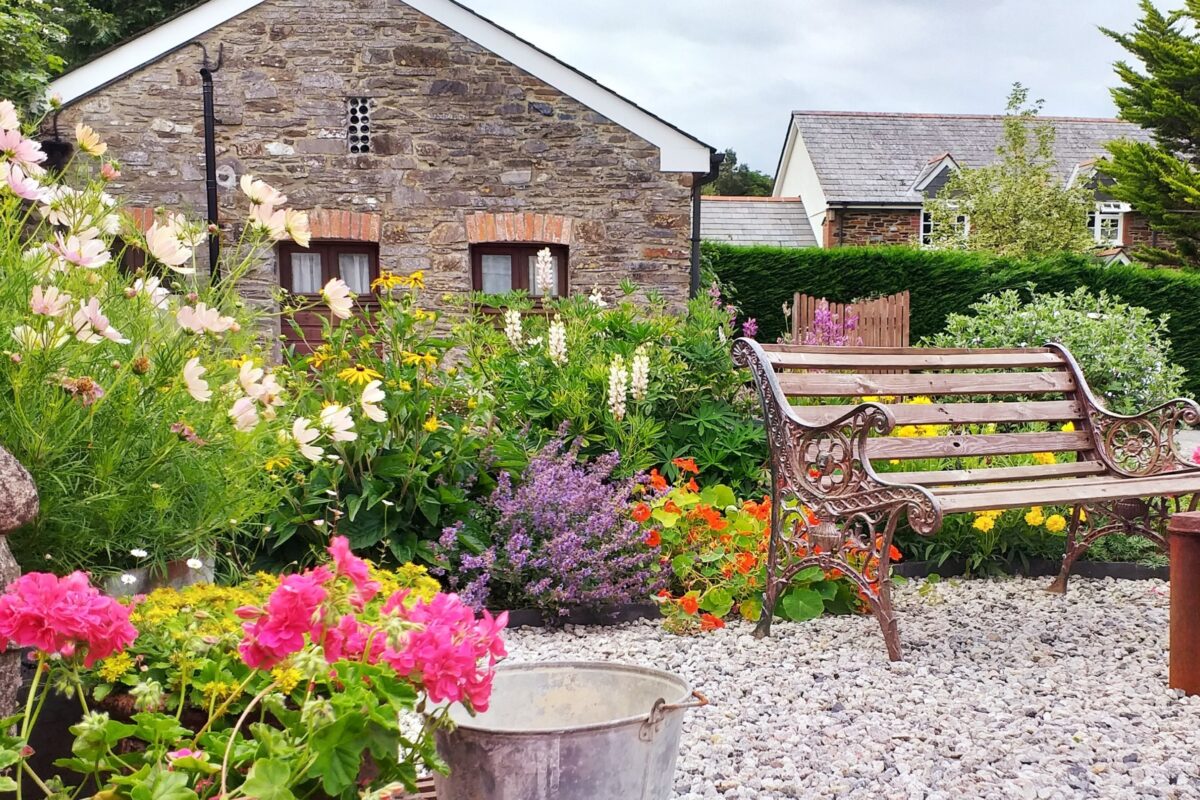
<point x="560" y="538"/>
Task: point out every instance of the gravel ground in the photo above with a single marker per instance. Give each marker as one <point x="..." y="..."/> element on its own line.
<point x="1006" y="691"/>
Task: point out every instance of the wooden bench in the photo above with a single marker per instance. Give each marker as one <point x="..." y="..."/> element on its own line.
<point x="836" y="500"/>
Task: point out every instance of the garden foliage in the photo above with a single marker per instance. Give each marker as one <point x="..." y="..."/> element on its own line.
<point x="945" y="282"/>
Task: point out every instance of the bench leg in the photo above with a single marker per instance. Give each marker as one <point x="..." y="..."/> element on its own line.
<point x="1073" y="550"/>
<point x="771" y="589"/>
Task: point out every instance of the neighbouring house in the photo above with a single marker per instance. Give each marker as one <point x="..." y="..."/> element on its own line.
<point x="775" y="221"/>
<point x="863" y="177"/>
<point x="418" y="135"/>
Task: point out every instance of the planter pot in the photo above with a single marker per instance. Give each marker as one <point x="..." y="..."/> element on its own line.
<point x="1036" y="568"/>
<point x="568" y="731"/>
<point x="608" y="615"/>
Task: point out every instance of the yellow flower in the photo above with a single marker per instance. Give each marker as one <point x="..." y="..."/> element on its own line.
<point x="236" y="363"/>
<point x="1034" y="517"/>
<point x="893" y="461"/>
<point x="930" y="430"/>
<point x="1069" y="427"/>
<point x="984" y="523"/>
<point x="1044" y="458"/>
<point x="278" y="462"/>
<point x="387" y="280"/>
<point x="359" y="375"/>
<point x="417" y="359"/>
<point x="1055" y="523"/>
<point x="921" y="401"/>
<point x="906" y="431"/>
<point x="432" y="423"/>
<point x="321" y="356"/>
<point x="1082" y="515"/>
<point x="417" y="279"/>
<point x="870" y="398"/>
<point x="287" y="678"/>
<point x="114" y="667"/>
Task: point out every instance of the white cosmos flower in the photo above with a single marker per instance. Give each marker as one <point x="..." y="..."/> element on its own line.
<point x="338" y="296"/>
<point x="336" y="421"/>
<point x="201" y="318"/>
<point x="244" y="414"/>
<point x="9" y="120"/>
<point x="49" y="302"/>
<point x="197" y="387"/>
<point x="261" y="193"/>
<point x="163" y="244"/>
<point x="30" y="339"/>
<point x="152" y="288"/>
<point x="295" y="223"/>
<point x="249" y="377"/>
<point x="303" y="434"/>
<point x="369" y="402"/>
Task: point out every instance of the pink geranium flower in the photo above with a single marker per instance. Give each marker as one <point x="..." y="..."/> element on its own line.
<point x="348" y="565"/>
<point x="64" y="616"/>
<point x="278" y="630"/>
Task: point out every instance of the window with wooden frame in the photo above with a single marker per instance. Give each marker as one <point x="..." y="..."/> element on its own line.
<point x="304" y="270"/>
<point x="504" y="266"/>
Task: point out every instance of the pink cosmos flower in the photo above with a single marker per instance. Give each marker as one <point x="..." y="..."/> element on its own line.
<point x="295" y="223"/>
<point x="9" y="120"/>
<point x="109" y="171"/>
<point x="348" y="565"/>
<point x="49" y="302"/>
<point x="20" y="184"/>
<point x="260" y="193"/>
<point x="25" y="152"/>
<point x="82" y="251"/>
<point x="244" y="414"/>
<point x="91" y="326"/>
<point x="201" y="318"/>
<point x="162" y="242"/>
<point x="339" y="298"/>
<point x="63" y="616"/>
<point x="270" y="221"/>
<point x="444" y="652"/>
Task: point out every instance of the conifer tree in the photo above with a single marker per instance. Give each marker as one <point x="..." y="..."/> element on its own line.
<point x="1161" y="178"/>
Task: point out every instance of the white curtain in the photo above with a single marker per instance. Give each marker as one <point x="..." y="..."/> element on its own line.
<point x="306" y="273"/>
<point x="497" y="274"/>
<point x="356" y="271"/>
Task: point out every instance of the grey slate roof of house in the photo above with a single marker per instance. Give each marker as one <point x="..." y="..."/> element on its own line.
<point x="877" y="157"/>
<point x="756" y="220"/>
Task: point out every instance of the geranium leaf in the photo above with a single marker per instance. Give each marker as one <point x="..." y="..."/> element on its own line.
<point x="268" y="780"/>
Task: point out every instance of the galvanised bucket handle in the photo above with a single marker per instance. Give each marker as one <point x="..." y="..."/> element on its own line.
<point x="658" y="713"/>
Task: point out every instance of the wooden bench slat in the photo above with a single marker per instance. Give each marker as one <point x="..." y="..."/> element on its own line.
<point x="917" y="360"/>
<point x="956" y="413"/>
<point x="898" y="351"/>
<point x="987" y="475"/>
<point x="1069" y="492"/>
<point x="834" y="384"/>
<point x="969" y="445"/>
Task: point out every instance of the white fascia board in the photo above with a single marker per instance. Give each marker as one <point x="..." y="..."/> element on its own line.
<point x="678" y="152"/>
<point x="148" y="47"/>
<point x="798" y="178"/>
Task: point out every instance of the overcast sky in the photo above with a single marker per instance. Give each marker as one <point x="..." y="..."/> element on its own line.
<point x="730" y="71"/>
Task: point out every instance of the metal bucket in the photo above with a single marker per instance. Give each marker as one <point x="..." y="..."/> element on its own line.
<point x="569" y="731"/>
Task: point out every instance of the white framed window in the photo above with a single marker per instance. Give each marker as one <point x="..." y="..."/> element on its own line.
<point x="962" y="227"/>
<point x="1106" y="222"/>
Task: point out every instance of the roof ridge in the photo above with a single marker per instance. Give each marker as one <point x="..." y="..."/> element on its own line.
<point x="926" y="115"/>
<point x="749" y="198"/>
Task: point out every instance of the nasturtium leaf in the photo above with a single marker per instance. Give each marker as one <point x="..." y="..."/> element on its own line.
<point x="802" y="604"/>
<point x="809" y="574"/>
<point x="718" y="496"/>
<point x="717" y="601"/>
<point x="681" y="564"/>
<point x="750" y="609"/>
<point x="667" y="518"/>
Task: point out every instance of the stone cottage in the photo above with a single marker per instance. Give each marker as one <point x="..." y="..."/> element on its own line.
<point x="863" y="177"/>
<point x="418" y="135"/>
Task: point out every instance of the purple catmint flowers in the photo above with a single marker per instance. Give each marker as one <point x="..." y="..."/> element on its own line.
<point x="559" y="539"/>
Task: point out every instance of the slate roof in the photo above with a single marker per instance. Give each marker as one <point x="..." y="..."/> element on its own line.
<point x="877" y="157"/>
<point x="778" y="221"/>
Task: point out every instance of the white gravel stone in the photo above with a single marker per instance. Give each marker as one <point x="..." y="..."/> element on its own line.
<point x="1006" y="692"/>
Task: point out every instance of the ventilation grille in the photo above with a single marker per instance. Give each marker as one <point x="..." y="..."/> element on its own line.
<point x="358" y="125"/>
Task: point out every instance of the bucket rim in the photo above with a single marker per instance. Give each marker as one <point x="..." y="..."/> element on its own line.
<point x="615" y="666"/>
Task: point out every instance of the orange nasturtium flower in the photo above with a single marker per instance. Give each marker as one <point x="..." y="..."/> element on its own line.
<point x="689" y="603"/>
<point x="710" y="623"/>
<point x="671" y="508"/>
<point x="653" y="538"/>
<point x="746" y="562"/>
<point x="641" y="512"/>
<point x="657" y="482"/>
<point x="692" y="486"/>
<point x="686" y="465"/>
<point x="713" y="518"/>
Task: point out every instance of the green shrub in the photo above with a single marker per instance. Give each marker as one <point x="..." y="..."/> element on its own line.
<point x="682" y="394"/>
<point x="1122" y="350"/>
<point x="944" y="283"/>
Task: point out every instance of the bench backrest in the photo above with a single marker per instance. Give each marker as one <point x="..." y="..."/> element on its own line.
<point x="950" y="405"/>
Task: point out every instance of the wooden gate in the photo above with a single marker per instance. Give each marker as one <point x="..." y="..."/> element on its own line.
<point x="882" y="322"/>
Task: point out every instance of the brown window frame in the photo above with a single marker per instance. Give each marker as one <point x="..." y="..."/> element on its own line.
<point x="329" y="250"/>
<point x="519" y="252"/>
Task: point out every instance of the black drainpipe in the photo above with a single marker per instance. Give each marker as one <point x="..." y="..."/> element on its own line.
<point x="210" y="159"/>
<point x="700" y="178"/>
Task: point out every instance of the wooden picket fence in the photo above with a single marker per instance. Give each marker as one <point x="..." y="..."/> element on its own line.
<point x="882" y="322"/>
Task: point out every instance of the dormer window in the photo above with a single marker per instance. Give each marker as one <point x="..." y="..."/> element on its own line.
<point x="1105" y="223"/>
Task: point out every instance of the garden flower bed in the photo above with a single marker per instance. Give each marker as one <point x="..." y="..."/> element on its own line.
<point x="1007" y="692"/>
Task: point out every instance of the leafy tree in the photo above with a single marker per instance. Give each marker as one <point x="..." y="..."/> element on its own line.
<point x="1018" y="205"/>
<point x="29" y="50"/>
<point x="738" y="180"/>
<point x="1160" y="179"/>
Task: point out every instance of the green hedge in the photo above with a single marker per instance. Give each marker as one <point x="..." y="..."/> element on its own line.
<point x="944" y="282"/>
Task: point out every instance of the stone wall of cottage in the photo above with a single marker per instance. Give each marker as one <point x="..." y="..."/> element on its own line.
<point x="457" y="134"/>
<point x="871" y="226"/>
